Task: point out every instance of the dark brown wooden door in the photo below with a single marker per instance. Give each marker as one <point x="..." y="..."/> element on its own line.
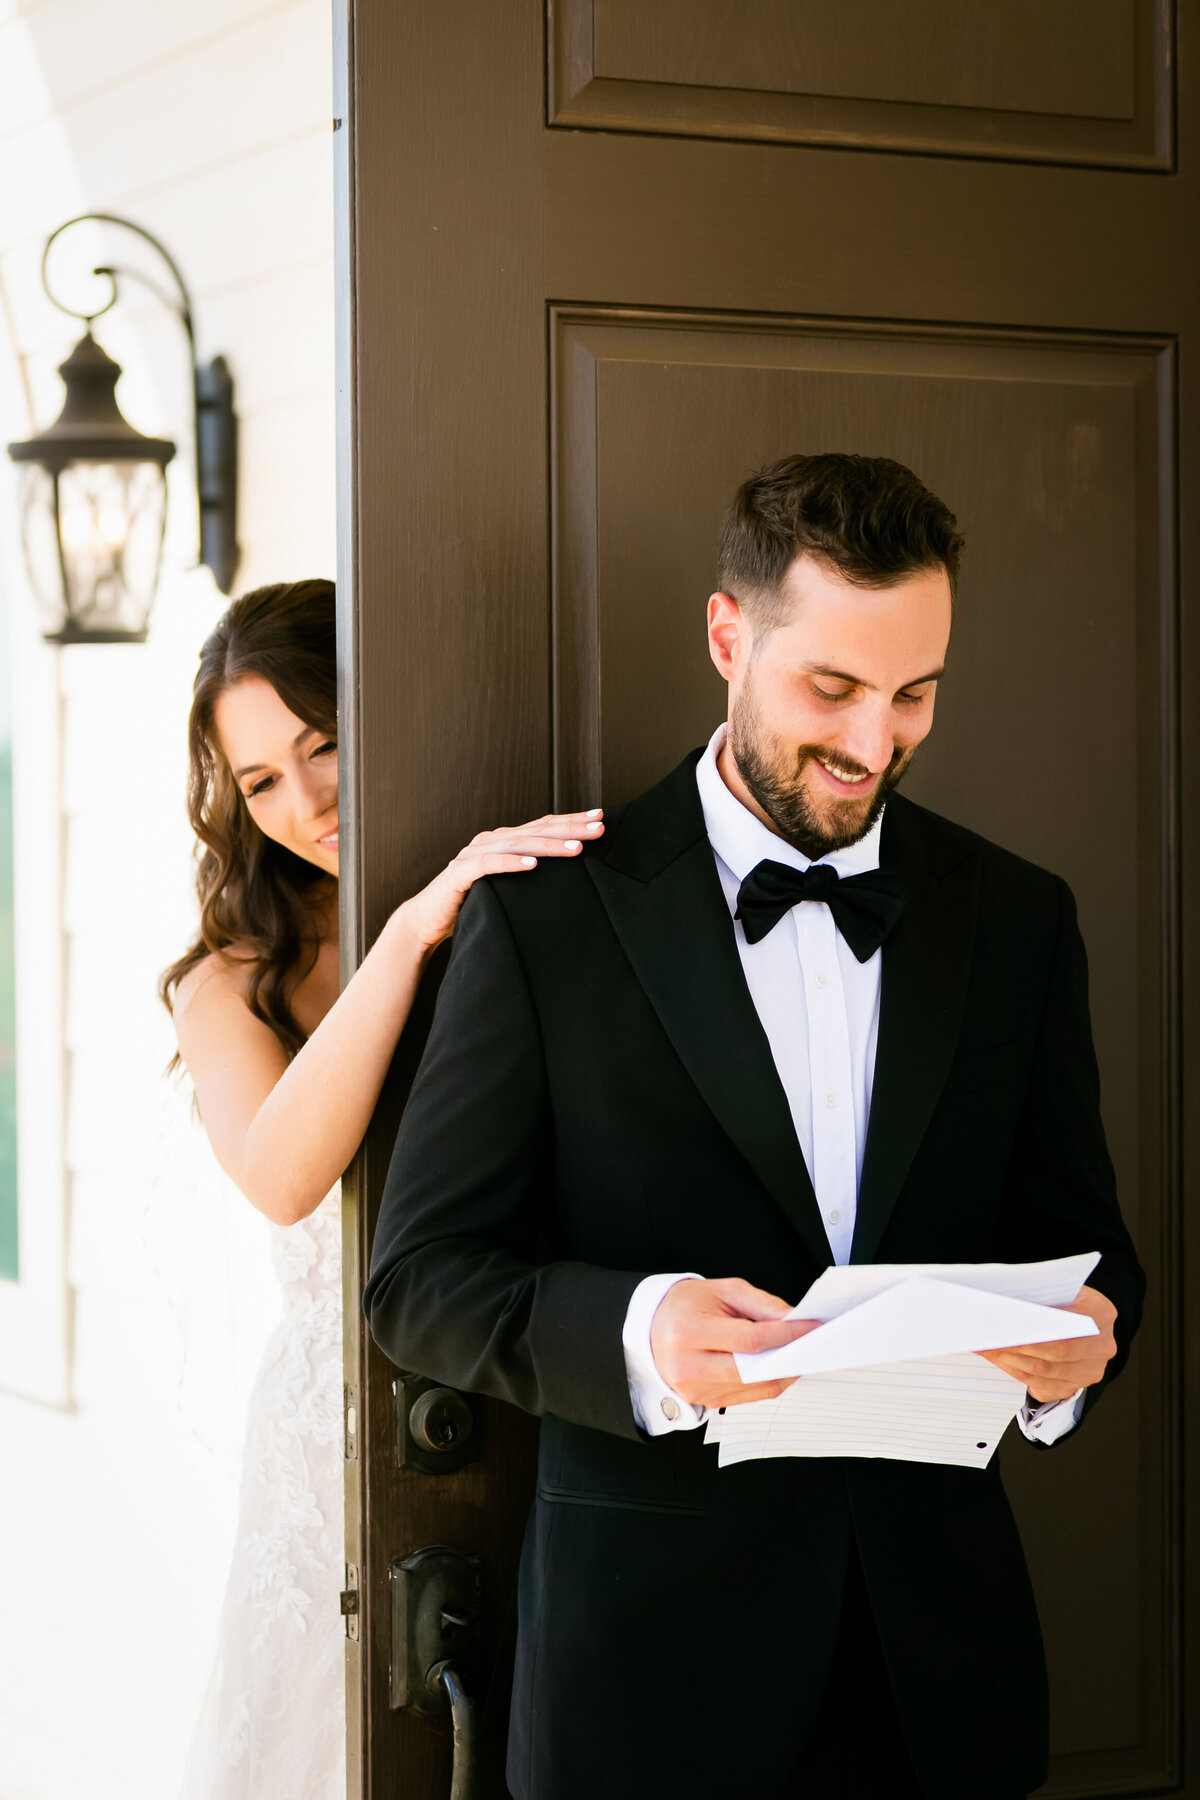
<point x="599" y="259"/>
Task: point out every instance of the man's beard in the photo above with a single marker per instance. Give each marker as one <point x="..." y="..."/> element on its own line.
<point x="774" y="775"/>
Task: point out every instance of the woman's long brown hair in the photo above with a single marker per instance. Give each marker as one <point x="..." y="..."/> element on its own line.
<point x="253" y="892"/>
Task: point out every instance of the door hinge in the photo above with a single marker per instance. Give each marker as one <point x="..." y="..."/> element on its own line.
<point x="349" y="1601"/>
<point x="350" y="1409"/>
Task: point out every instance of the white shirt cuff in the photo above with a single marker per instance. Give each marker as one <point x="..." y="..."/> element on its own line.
<point x="656" y="1407"/>
<point x="1044" y="1422"/>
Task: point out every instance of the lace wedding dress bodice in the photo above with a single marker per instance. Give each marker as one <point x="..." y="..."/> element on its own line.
<point x="273" y="1722"/>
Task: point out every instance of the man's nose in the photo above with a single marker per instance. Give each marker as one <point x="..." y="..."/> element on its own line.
<point x="869" y="740"/>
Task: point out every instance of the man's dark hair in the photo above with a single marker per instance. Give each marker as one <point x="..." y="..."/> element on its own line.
<point x="865" y="516"/>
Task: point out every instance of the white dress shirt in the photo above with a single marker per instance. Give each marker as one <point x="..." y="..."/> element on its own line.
<point x="819" y="1007"/>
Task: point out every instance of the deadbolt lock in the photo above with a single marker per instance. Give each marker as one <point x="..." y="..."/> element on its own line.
<point x="437" y="1428"/>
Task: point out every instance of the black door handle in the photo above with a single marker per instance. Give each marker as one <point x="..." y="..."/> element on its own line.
<point x="435" y="1649"/>
<point x="464" y="1776"/>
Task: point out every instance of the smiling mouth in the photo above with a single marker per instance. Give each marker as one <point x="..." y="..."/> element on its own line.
<point x="855" y="784"/>
<point x="329" y="841"/>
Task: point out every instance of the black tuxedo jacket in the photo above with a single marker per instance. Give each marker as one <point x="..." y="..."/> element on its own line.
<point x="598" y="1102"/>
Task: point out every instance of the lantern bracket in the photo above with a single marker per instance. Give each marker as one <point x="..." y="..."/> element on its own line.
<point x="214" y="420"/>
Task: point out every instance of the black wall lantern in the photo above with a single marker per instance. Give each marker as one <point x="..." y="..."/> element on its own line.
<point x="94" y="491"/>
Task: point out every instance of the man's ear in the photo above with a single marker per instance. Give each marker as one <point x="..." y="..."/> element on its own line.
<point x="728" y="634"/>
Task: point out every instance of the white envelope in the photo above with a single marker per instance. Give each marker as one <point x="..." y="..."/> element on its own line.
<point x="1054" y="1283"/>
<point x="913" y="1320"/>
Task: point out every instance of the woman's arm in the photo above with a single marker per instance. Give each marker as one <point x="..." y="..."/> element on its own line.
<point x="284" y="1131"/>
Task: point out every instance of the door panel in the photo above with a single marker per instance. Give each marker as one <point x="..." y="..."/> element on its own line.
<point x="575" y="312"/>
<point x="998" y="81"/>
<point x="1019" y="58"/>
<point x="1051" y="737"/>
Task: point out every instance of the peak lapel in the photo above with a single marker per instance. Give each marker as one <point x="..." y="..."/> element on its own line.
<point x="659" y="885"/>
<point x="926" y="963"/>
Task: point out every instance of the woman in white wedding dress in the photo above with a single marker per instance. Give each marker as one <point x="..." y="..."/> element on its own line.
<point x="286" y="1073"/>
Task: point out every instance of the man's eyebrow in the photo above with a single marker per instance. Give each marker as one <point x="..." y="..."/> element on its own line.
<point x="253" y="768"/>
<point x="857" y="681"/>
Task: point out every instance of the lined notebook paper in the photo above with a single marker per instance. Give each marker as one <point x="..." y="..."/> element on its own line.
<point x="892" y="1370"/>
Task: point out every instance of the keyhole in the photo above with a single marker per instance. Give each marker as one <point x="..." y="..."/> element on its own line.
<point x="441" y="1419"/>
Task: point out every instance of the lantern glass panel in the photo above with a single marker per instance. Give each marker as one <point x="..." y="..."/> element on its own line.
<point x="39" y="533"/>
<point x="109" y="520"/>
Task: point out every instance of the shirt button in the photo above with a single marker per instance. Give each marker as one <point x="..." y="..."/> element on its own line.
<point x="831" y="1099"/>
<point x="670" y="1409"/>
<point x="822" y="980"/>
<point x="835" y="1217"/>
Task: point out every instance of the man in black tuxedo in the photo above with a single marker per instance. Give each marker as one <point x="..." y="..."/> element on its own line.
<point x="667" y="1084"/>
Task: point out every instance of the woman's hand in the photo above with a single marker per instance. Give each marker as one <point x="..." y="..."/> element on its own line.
<point x="285" y="1130"/>
<point x="429" y="916"/>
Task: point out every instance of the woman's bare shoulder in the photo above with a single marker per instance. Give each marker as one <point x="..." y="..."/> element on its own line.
<point x="217" y="1034"/>
<point x="222" y="974"/>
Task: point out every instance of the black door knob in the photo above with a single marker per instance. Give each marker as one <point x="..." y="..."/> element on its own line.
<point x="441" y="1420"/>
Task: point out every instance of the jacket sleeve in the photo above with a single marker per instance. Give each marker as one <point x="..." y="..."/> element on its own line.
<point x="1062" y="1193"/>
<point x="455" y="1291"/>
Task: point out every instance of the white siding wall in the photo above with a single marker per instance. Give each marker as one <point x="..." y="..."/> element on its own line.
<point x="208" y="122"/>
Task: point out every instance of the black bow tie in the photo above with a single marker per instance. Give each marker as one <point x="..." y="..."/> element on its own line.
<point x="864" y="907"/>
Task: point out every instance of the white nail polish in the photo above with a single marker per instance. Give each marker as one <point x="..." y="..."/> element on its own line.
<point x="530" y="862"/>
<point x="593" y="827"/>
<point x="595" y="811"/>
<point x="572" y="844"/>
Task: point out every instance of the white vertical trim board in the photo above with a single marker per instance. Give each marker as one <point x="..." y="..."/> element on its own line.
<point x="35" y="1310"/>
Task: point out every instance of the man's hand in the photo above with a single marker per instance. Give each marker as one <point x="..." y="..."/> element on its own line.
<point x="699" y="1324"/>
<point x="1056" y="1370"/>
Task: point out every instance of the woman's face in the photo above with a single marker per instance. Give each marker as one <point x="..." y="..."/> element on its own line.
<point x="286" y="770"/>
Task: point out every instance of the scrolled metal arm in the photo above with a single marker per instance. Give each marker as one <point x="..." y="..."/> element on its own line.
<point x="183" y="306"/>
